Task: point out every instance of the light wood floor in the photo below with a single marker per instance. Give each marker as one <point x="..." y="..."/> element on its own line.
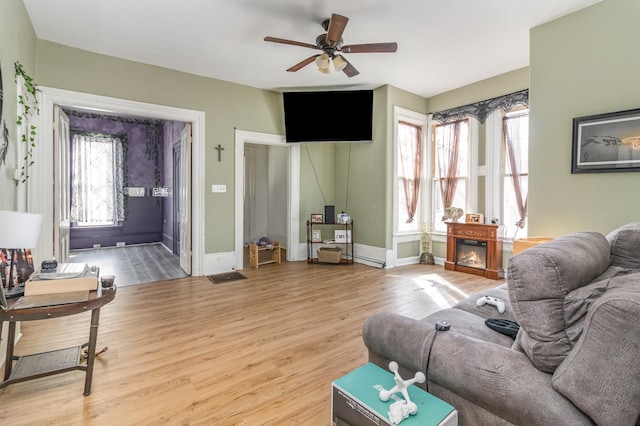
<point x="259" y="351"/>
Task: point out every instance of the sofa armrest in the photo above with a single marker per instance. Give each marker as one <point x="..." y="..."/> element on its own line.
<point x="499" y="379"/>
<point x="399" y="338"/>
<point x="601" y="375"/>
<point x="625" y="246"/>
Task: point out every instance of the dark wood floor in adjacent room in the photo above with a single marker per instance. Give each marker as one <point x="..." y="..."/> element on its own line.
<point x="134" y="264"/>
<point x="258" y="351"/>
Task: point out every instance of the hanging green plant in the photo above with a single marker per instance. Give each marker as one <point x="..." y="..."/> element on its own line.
<point x="29" y="102"/>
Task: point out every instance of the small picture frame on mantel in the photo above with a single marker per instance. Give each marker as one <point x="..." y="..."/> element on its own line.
<point x="474" y="218"/>
<point x="316" y="218"/>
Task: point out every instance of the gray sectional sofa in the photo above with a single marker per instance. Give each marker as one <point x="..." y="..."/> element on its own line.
<point x="575" y="359"/>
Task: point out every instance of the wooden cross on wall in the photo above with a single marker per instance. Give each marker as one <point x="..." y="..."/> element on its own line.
<point x="219" y="148"/>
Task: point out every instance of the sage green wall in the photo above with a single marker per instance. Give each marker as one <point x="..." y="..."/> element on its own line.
<point x="352" y="177"/>
<point x="226" y="105"/>
<point x="317" y="179"/>
<point x="362" y="172"/>
<point x="400" y="98"/>
<point x="17" y="44"/>
<point x="403" y="99"/>
<point x="364" y="196"/>
<point x="582" y="64"/>
<point x="502" y="84"/>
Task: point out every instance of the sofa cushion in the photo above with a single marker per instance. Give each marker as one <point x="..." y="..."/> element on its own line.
<point x="469" y="324"/>
<point x="488" y="311"/>
<point x="601" y="375"/>
<point x="539" y="279"/>
<point x="625" y="246"/>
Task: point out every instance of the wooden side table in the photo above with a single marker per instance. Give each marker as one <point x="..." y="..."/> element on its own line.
<point x="28" y="367"/>
<point x="254" y="254"/>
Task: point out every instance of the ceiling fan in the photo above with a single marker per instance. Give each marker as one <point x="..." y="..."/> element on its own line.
<point x="330" y="43"/>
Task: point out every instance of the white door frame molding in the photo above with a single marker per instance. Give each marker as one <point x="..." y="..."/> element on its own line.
<point x="40" y="185"/>
<point x="293" y="191"/>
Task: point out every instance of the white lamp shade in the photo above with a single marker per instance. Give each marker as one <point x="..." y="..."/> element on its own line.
<point x="322" y="61"/>
<point x="19" y="230"/>
<point x="339" y="63"/>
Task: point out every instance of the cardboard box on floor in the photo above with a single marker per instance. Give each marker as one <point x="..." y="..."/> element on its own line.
<point x="355" y="401"/>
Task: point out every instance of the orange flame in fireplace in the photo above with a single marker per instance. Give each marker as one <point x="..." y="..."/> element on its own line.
<point x="472" y="258"/>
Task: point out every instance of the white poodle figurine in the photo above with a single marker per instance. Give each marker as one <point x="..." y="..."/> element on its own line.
<point x="401" y="409"/>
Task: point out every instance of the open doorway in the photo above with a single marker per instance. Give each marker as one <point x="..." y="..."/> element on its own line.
<point x="123" y="209"/>
<point x="265" y="193"/>
<point x="285" y="204"/>
<point x="191" y="216"/>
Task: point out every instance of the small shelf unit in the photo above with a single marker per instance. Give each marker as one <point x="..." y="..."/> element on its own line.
<point x="324" y="228"/>
<point x="254" y="254"/>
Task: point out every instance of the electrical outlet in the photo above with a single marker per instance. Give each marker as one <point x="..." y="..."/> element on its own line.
<point x="218" y="188"/>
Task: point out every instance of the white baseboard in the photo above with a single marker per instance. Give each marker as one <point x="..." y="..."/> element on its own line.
<point x="367" y="255"/>
<point x="219" y="263"/>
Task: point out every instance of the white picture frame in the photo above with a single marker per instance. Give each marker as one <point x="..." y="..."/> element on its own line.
<point x="316" y="236"/>
<point x="342" y="236"/>
<point x="343" y="218"/>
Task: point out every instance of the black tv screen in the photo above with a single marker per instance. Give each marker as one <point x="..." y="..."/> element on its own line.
<point x="332" y="116"/>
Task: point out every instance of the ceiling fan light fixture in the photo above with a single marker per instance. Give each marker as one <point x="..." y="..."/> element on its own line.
<point x="339" y="62"/>
<point x="322" y="61"/>
<point x="329" y="43"/>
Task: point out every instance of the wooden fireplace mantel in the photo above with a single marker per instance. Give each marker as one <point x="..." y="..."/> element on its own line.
<point x="491" y="234"/>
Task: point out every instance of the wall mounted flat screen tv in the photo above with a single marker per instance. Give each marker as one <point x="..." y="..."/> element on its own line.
<point x="330" y="116"/>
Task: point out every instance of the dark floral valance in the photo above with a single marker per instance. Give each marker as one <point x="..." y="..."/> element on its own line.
<point x="482" y="109"/>
<point x="116" y="118"/>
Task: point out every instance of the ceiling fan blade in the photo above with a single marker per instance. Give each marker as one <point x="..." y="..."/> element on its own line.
<point x="337" y="25"/>
<point x="370" y="48"/>
<point x="291" y="42"/>
<point x="302" y="64"/>
<point x="350" y="70"/>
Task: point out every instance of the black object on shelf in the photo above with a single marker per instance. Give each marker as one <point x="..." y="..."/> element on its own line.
<point x="329" y="214"/>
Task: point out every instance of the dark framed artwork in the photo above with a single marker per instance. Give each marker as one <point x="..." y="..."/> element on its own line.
<point x="606" y="143"/>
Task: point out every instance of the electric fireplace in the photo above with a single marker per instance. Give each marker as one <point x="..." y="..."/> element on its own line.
<point x="475" y="248"/>
<point x="471" y="253"/>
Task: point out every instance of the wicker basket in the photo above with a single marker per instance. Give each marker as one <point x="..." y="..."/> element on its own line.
<point x="329" y="254"/>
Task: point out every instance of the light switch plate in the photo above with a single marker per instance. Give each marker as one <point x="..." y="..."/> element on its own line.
<point x="218" y="188"/>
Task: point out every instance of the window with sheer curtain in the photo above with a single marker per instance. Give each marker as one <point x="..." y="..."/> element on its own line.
<point x="516" y="173"/>
<point x="97" y="179"/>
<point x="409" y="174"/>
<point x="450" y="170"/>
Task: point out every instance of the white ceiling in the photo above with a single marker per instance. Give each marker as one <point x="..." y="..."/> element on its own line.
<point x="442" y="45"/>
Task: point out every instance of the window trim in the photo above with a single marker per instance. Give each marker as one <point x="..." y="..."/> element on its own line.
<point x="421" y="120"/>
<point x="495" y="165"/>
<point x="471" y="201"/>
